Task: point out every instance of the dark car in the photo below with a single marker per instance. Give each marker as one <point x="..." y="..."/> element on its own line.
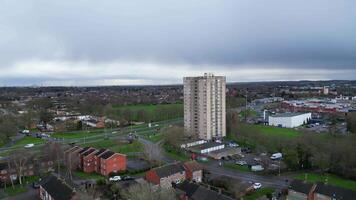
<point x="127" y="178"/>
<point x="35" y="185"/>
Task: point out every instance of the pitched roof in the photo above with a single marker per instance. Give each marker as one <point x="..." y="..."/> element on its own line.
<point x="83" y="150"/>
<point x="335" y="192"/>
<point x="169" y="170"/>
<point x="89" y="152"/>
<point x="193" y="165"/>
<point x="58" y="189"/>
<point x="300" y="186"/>
<point x="197" y="192"/>
<point x="107" y="154"/>
<point x="100" y="152"/>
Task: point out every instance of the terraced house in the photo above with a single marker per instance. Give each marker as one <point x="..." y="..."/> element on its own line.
<point x="101" y="161"/>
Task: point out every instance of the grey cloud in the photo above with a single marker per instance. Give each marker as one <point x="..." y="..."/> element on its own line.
<point x="231" y="33"/>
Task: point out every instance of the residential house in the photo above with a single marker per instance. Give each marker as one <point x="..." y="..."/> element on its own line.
<point x="329" y="192"/>
<point x="97" y="159"/>
<point x="72" y="154"/>
<point x="81" y="156"/>
<point x="89" y="161"/>
<point x="166" y="175"/>
<point x="193" y="171"/>
<point x="53" y="188"/>
<point x="112" y="162"/>
<point x="300" y="190"/>
<point x="193" y="191"/>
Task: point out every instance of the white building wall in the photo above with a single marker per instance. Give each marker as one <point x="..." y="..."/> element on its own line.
<point x="289" y="122"/>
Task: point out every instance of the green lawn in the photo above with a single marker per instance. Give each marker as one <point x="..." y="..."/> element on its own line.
<point x="274" y="131"/>
<point x="117" y="146"/>
<point x="258" y="193"/>
<point x="154" y="137"/>
<point x="83" y="175"/>
<point x="153" y="112"/>
<point x="332" y="180"/>
<point x="28" y="140"/>
<point x="78" y="134"/>
<point x="18" y="189"/>
<point x="175" y="154"/>
<point x="234" y="166"/>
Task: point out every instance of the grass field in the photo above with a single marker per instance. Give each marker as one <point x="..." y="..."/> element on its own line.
<point x="332" y="180"/>
<point x="28" y="140"/>
<point x="78" y="134"/>
<point x="117" y="146"/>
<point x="83" y="175"/>
<point x="175" y="154"/>
<point x="171" y="111"/>
<point x="259" y="193"/>
<point x="233" y="166"/>
<point x="274" y="131"/>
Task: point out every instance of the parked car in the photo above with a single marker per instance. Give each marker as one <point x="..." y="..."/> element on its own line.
<point x="127" y="178"/>
<point x="115" y="178"/>
<point x="35" y="185"/>
<point x="29" y="145"/>
<point x="276" y="156"/>
<point x="257" y="186"/>
<point x="241" y="162"/>
<point x="257" y="168"/>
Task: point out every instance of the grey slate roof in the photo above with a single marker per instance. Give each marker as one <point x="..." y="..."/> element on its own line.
<point x="335" y="192"/>
<point x="107" y="154"/>
<point x="100" y="152"/>
<point x="57" y="188"/>
<point x="197" y="192"/>
<point x="88" y="152"/>
<point x="169" y="170"/>
<point x="300" y="186"/>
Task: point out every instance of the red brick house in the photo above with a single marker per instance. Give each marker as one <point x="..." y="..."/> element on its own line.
<point x="53" y="188"/>
<point x="193" y="171"/>
<point x="89" y="161"/>
<point x="97" y="159"/>
<point x="81" y="155"/>
<point x="166" y="175"/>
<point x="112" y="162"/>
<point x="72" y="153"/>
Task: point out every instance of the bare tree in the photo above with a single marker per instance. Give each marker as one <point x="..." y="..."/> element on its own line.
<point x="173" y="136"/>
<point x="19" y="159"/>
<point x="153" y="152"/>
<point x="54" y="152"/>
<point x="71" y="163"/>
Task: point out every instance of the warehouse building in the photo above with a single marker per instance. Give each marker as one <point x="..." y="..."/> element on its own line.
<point x="289" y="120"/>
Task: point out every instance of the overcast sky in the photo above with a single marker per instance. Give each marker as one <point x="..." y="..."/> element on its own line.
<point x="118" y="42"/>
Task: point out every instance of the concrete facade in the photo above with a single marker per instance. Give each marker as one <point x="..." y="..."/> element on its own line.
<point x="289" y="120"/>
<point x="204" y="106"/>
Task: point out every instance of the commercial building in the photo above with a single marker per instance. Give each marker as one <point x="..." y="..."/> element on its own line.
<point x="207" y="147"/>
<point x="204" y="106"/>
<point x="289" y="120"/>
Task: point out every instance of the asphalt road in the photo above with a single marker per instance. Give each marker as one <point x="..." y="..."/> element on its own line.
<point x="278" y="182"/>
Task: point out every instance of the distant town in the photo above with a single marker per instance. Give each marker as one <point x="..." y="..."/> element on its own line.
<point x="203" y="139"/>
